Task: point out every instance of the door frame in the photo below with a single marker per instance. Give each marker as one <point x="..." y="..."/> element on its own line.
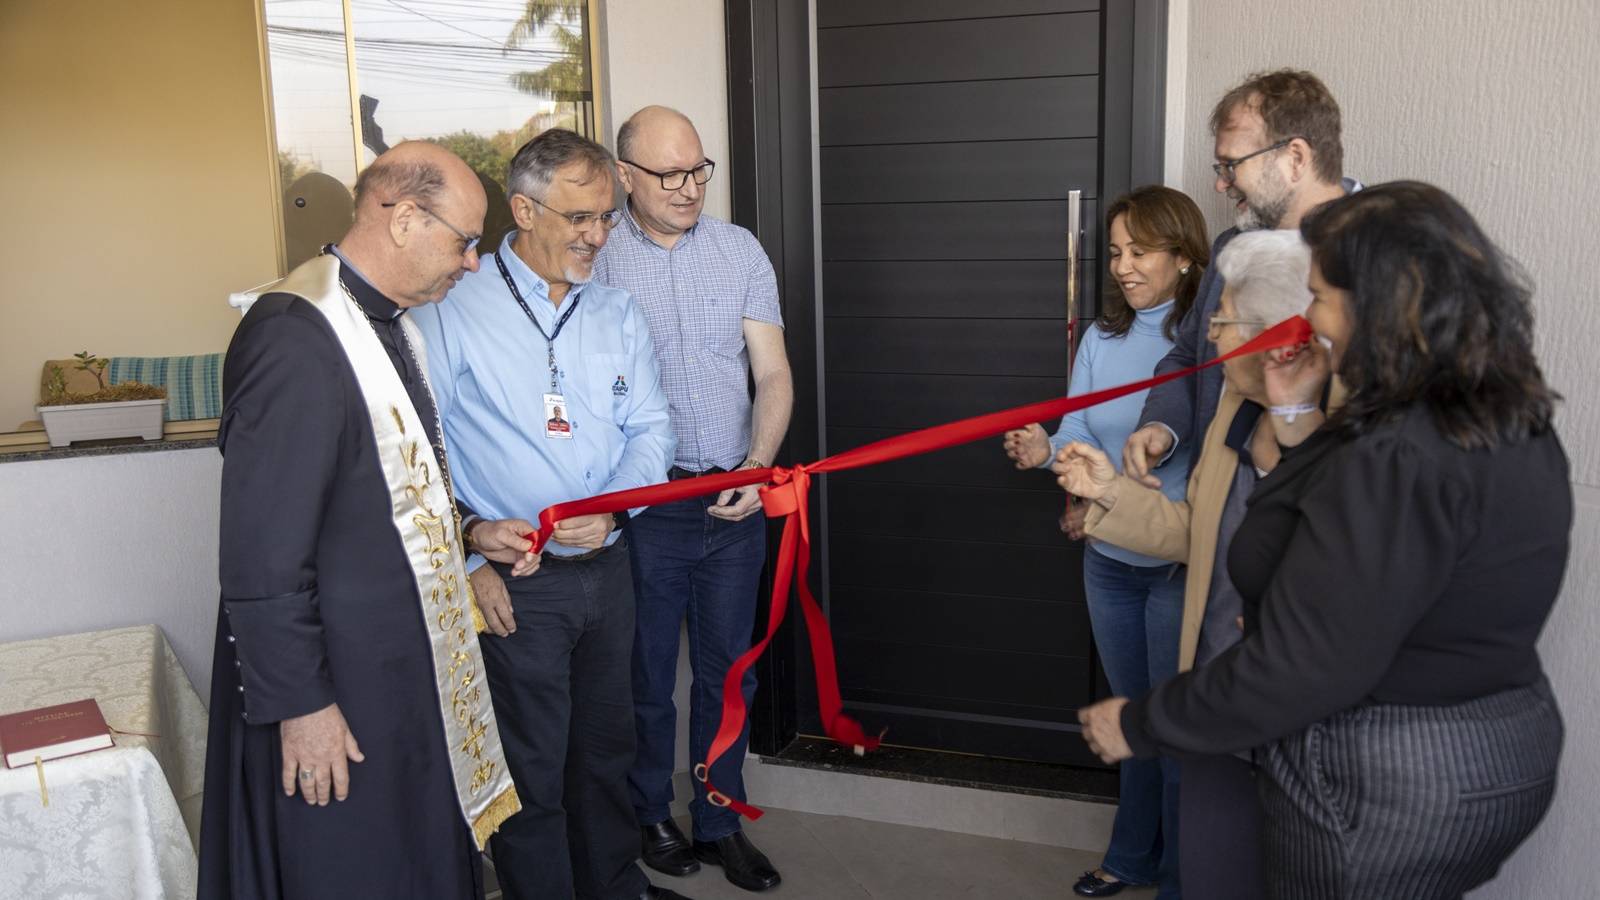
<point x="771" y="64"/>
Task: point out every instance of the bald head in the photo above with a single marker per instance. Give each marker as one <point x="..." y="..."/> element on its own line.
<point x="664" y="168"/>
<point x="419" y="213"/>
<point x="415" y="170"/>
<point x="650" y="126"/>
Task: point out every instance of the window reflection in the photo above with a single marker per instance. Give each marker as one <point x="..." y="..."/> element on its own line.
<point x="480" y="77"/>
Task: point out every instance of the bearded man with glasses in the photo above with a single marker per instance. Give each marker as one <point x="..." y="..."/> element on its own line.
<point x="1279" y="155"/>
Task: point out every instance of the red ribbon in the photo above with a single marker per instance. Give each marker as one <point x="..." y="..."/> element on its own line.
<point x="785" y="496"/>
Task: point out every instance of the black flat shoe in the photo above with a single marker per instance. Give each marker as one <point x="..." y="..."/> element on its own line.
<point x="1092" y="885"/>
<point x="660" y="893"/>
<point x="664" y="848"/>
<point x="744" y="865"/>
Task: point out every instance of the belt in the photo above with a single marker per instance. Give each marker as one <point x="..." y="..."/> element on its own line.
<point x="578" y="557"/>
<point x="677" y="473"/>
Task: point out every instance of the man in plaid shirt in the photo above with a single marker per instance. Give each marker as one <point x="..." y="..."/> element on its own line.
<point x="710" y="296"/>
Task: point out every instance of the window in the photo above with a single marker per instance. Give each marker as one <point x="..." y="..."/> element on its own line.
<point x="350" y="78"/>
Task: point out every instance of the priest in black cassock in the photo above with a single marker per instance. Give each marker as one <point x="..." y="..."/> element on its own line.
<point x="353" y="748"/>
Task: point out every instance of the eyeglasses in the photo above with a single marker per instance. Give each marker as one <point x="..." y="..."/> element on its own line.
<point x="583" y="221"/>
<point x="1217" y="321"/>
<point x="471" y="242"/>
<point x="674" y="180"/>
<point x="1225" y="168"/>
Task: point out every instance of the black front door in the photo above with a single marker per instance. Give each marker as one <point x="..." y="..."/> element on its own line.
<point x="950" y="136"/>
<point x="934" y="286"/>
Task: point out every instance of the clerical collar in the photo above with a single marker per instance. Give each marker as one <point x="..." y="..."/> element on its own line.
<point x="372" y="300"/>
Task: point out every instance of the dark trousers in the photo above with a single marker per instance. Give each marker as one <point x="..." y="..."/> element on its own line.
<point x="691" y="565"/>
<point x="1408" y="802"/>
<point x="1219" y="828"/>
<point x="565" y="708"/>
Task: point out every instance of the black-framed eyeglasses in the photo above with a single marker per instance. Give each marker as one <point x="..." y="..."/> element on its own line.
<point x="583" y="221"/>
<point x="1225" y="168"/>
<point x="471" y="242"/>
<point x="674" y="180"/>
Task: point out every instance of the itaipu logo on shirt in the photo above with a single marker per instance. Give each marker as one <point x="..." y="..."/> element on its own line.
<point x="619" y="388"/>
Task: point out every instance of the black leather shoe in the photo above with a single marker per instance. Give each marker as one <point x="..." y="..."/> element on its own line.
<point x="664" y="848"/>
<point x="660" y="893"/>
<point x="1092" y="885"/>
<point x="744" y="865"/>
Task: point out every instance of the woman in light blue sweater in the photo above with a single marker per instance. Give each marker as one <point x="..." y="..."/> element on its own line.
<point x="1156" y="256"/>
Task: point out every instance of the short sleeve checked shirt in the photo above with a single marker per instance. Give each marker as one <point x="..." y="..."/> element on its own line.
<point x="696" y="297"/>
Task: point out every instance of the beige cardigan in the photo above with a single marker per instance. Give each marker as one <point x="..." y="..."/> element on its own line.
<point x="1145" y="521"/>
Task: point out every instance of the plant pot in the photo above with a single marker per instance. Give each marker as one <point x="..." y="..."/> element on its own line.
<point x="96" y="421"/>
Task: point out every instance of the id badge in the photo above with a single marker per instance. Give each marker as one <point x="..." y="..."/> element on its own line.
<point x="556" y="424"/>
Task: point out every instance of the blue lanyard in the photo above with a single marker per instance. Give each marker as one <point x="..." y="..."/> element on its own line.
<point x="549" y="339"/>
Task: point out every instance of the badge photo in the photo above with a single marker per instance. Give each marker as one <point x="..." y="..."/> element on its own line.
<point x="556" y="424"/>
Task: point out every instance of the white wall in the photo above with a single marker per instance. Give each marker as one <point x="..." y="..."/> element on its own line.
<point x="673" y="54"/>
<point x="107" y="541"/>
<point x="1494" y="102"/>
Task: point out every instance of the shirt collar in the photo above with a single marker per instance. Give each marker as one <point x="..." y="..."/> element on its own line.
<point x="1242" y="426"/>
<point x="371" y="300"/>
<point x="535" y="290"/>
<point x="638" y="230"/>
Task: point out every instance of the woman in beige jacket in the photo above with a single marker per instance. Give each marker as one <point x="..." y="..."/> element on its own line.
<point x="1265" y="273"/>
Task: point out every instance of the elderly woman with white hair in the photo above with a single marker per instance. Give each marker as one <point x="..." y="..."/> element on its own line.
<point x="1265" y="273"/>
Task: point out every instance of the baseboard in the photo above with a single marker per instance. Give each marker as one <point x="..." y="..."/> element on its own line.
<point x="1053" y="821"/>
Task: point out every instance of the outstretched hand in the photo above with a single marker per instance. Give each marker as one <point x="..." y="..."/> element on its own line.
<point x="1027" y="447"/>
<point x="1145" y="450"/>
<point x="1084" y="471"/>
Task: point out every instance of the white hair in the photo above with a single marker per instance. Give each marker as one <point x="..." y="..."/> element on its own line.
<point x="1266" y="271"/>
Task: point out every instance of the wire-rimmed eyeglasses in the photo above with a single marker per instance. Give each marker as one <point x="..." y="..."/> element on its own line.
<point x="470" y="241"/>
<point x="675" y="179"/>
<point x="583" y="221"/>
<point x="1217" y="321"/>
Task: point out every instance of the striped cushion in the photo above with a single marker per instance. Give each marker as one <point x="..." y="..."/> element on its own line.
<point x="193" y="383"/>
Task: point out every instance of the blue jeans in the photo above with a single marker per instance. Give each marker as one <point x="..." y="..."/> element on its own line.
<point x="1136" y="613"/>
<point x="689" y="564"/>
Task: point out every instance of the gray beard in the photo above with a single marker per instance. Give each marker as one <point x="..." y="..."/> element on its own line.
<point x="573" y="277"/>
<point x="1262" y="218"/>
<point x="1267" y="214"/>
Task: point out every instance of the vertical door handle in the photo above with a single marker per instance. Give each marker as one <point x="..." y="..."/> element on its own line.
<point x="1074" y="255"/>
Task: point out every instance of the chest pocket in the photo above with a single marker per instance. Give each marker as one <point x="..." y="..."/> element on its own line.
<point x="608" y="384"/>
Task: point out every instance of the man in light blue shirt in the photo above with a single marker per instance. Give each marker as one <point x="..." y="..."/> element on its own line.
<point x="711" y="298"/>
<point x="548" y="391"/>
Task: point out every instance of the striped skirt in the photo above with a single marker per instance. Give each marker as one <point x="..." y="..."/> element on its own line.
<point x="1407" y="802"/>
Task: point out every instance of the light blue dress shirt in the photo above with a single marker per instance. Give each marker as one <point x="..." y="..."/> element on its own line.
<point x="489" y="371"/>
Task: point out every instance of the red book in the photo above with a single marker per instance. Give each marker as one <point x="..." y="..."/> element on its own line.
<point x="53" y="732"/>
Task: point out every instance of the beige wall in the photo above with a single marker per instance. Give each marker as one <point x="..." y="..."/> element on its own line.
<point x="1494" y="102"/>
<point x="673" y="54"/>
<point x="138" y="181"/>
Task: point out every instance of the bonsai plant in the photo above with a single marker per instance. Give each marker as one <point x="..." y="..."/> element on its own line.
<point x="129" y="409"/>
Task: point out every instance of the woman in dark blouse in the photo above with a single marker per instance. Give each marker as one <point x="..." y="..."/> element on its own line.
<point x="1396" y="570"/>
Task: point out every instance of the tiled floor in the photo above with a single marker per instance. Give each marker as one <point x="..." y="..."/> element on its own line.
<point x="837" y="858"/>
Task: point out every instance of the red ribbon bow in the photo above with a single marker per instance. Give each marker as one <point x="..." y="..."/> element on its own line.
<point x="785" y="496"/>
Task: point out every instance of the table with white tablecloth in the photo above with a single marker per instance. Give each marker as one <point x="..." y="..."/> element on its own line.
<point x="120" y="822"/>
